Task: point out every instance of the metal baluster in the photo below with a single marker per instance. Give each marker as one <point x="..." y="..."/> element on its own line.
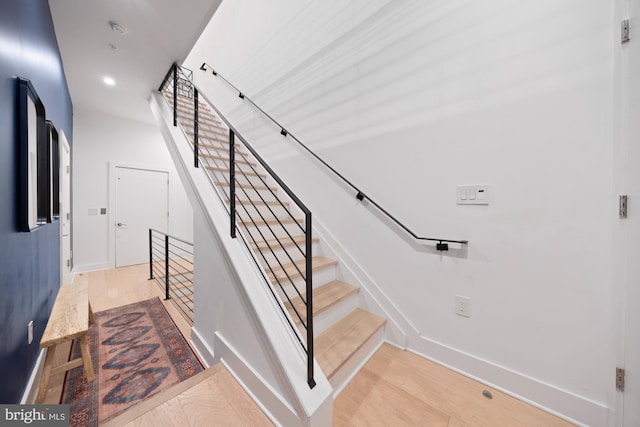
<point x="195" y="127"/>
<point x="166" y="266"/>
<point x="232" y="182"/>
<point x="150" y="254"/>
<point x="309" y="282"/>
<point x="175" y="94"/>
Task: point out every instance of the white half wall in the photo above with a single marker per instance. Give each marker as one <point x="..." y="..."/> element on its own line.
<point x="101" y="139"/>
<point x="411" y="99"/>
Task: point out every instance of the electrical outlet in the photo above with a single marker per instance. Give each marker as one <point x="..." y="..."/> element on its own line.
<point x="30" y="332"/>
<point x="462" y="306"/>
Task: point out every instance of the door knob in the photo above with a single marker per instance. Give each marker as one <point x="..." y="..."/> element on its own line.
<point x="120" y="224"/>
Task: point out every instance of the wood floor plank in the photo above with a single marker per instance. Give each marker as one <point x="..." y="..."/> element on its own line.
<point x="454" y="394"/>
<point x="370" y="401"/>
<point x="221" y="401"/>
<point x="169" y="414"/>
<point x="246" y="411"/>
<point x="160" y="398"/>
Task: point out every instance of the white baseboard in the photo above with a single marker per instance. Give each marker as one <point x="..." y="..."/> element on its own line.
<point x="569" y="406"/>
<point x="31" y="390"/>
<point x="204" y="352"/>
<point x="275" y="408"/>
<point x="90" y="267"/>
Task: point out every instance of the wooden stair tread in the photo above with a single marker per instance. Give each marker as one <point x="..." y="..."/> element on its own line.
<point x="262" y="202"/>
<point x="248" y="186"/>
<point x="286" y="242"/>
<point x="217" y="138"/>
<point x="225" y="144"/>
<point x="247" y="173"/>
<point x="212" y="150"/>
<point x="268" y="221"/>
<point x="323" y="298"/>
<point x="226" y="159"/>
<point x="338" y="343"/>
<point x="317" y="263"/>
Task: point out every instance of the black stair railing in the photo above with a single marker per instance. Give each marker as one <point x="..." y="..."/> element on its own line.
<point x="253" y="203"/>
<point x="171" y="266"/>
<point x="441" y="245"/>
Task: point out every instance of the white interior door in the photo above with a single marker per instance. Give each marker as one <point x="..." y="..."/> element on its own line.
<point x="142" y="202"/>
<point x="65" y="209"/>
<point x="631" y="87"/>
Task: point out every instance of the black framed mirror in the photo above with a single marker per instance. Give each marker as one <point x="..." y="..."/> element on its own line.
<point x="54" y="168"/>
<point x="34" y="159"/>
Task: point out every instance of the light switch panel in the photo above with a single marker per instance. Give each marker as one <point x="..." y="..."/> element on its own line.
<point x="472" y="195"/>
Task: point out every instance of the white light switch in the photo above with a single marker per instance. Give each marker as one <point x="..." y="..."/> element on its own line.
<point x="472" y="195"/>
<point x="93" y="211"/>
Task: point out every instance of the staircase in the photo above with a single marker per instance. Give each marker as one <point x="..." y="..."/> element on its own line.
<point x="345" y="334"/>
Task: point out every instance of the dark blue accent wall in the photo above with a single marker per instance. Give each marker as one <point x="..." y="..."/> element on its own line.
<point x="29" y="262"/>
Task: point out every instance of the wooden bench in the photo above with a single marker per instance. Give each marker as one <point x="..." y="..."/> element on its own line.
<point x="70" y="319"/>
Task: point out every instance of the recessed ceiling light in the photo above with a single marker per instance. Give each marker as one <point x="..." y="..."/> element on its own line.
<point x="118" y="28"/>
<point x="109" y="81"/>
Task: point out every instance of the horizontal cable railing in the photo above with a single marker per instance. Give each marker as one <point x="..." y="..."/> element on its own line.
<point x="278" y="235"/>
<point x="171" y="266"/>
<point x="441" y="245"/>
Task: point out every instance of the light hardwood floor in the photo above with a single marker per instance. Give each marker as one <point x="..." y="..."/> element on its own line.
<point x="395" y="388"/>
<point x="215" y="398"/>
<point x="399" y="388"/>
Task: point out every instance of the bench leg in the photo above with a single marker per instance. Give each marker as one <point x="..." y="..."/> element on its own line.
<point x="86" y="357"/>
<point x="90" y="315"/>
<point x="46" y="373"/>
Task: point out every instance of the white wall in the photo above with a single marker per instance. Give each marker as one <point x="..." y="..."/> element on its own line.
<point x="99" y="139"/>
<point x="410" y="99"/>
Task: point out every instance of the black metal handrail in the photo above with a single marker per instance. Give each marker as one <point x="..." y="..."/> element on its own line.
<point x="240" y="211"/>
<point x="442" y="244"/>
<point x="171" y="263"/>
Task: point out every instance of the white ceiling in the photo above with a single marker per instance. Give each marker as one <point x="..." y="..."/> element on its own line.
<point x="159" y="33"/>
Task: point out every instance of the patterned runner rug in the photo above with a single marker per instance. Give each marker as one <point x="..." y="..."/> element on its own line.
<point x="137" y="351"/>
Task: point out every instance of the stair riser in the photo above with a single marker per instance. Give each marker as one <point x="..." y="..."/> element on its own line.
<point x="351" y="367"/>
<point x="282" y="256"/>
<point x="270" y="231"/>
<point x="322" y="321"/>
<point x="320" y="277"/>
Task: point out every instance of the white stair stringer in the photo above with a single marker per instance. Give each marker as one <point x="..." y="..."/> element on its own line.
<point x="236" y="304"/>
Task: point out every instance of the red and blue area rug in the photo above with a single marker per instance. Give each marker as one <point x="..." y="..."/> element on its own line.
<point x="137" y="351"/>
